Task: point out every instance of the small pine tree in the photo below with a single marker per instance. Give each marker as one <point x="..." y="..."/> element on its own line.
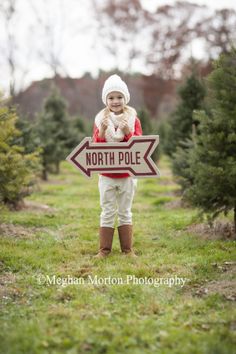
<point x="213" y="161"/>
<point x="17" y="169"/>
<point x="181" y="123"/>
<point x="79" y="129"/>
<point x="163" y="130"/>
<point x="181" y="164"/>
<point x="54" y="132"/>
<point x="148" y="128"/>
<point x="145" y="121"/>
<point x="28" y="138"/>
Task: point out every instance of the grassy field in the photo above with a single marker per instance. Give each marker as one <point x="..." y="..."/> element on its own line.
<point x="53" y="240"/>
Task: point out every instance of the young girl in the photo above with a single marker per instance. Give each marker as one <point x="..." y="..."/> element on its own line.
<point x="116" y="123"/>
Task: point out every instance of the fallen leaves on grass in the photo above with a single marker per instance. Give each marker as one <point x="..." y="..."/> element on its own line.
<point x="23" y="232"/>
<point x="11" y="230"/>
<point x="220" y="230"/>
<point x="8" y="290"/>
<point x="226" y="288"/>
<point x="30" y="205"/>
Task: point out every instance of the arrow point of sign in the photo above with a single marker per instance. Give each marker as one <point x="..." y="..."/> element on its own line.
<point x="152" y="141"/>
<point x="73" y="156"/>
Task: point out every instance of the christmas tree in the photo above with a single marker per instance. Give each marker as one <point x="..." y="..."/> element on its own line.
<point x="54" y="133"/>
<point x="17" y="169"/>
<point x="213" y="160"/>
<point x="182" y="123"/>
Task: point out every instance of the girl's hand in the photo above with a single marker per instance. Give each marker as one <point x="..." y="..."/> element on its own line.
<point x="124" y="127"/>
<point x="103" y="128"/>
<point x="104" y="124"/>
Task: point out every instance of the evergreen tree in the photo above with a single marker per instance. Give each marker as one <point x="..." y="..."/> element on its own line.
<point x="28" y="138"/>
<point x="54" y="133"/>
<point x="163" y="130"/>
<point x="145" y="121"/>
<point x="213" y="160"/>
<point x="148" y="128"/>
<point x="181" y="163"/>
<point x="17" y="169"/>
<point x="181" y="122"/>
<point x="79" y="129"/>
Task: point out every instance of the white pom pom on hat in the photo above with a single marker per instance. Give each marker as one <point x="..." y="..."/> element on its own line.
<point x="115" y="83"/>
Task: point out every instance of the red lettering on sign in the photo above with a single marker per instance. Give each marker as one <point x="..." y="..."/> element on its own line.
<point x="138" y="157"/>
<point x="100" y="158"/>
<point x="121" y="158"/>
<point x="129" y="158"/>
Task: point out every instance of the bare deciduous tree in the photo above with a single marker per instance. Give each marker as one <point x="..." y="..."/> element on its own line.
<point x="173" y="31"/>
<point x="218" y="31"/>
<point x="161" y="40"/>
<point x="50" y="35"/>
<point x="121" y="24"/>
<point x="8" y="12"/>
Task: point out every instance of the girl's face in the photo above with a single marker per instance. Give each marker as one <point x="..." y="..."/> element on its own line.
<point x="116" y="102"/>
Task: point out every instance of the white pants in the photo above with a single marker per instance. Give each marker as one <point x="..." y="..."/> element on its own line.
<point x="116" y="197"/>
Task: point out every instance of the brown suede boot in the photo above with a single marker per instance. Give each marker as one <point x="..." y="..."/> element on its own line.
<point x="106" y="238"/>
<point x="126" y="237"/>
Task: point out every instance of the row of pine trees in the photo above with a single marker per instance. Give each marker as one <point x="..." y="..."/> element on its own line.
<point x="199" y="138"/>
<point x="30" y="151"/>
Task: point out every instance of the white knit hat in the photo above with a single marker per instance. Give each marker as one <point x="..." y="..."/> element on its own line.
<point x="114" y="83"/>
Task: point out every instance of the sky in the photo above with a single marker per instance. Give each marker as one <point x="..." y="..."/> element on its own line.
<point x="78" y="47"/>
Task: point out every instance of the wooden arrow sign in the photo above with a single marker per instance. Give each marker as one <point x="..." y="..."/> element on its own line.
<point x="133" y="157"/>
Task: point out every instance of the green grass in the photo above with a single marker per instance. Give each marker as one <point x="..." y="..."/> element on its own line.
<point x="106" y="318"/>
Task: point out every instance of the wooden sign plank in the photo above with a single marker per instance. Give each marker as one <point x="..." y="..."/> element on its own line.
<point x="133" y="157"/>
